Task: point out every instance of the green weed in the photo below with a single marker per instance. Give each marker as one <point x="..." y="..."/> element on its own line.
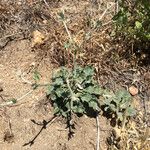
<point x="132" y="22"/>
<point x="118" y="105"/>
<point x="74" y="91"/>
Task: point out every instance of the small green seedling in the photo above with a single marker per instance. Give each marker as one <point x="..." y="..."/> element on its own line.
<point x="74" y="92"/>
<point x="118" y="105"/>
<point x="36" y="78"/>
<point x="13" y="100"/>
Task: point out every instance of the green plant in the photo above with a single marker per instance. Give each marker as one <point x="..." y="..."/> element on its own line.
<point x="74" y="92"/>
<point x="132" y="22"/>
<point x="118" y="105"/>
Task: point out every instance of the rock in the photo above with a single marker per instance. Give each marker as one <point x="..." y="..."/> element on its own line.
<point x="133" y="90"/>
<point x="38" y="38"/>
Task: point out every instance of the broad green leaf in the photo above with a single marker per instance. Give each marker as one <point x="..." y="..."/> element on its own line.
<point x="131" y="111"/>
<point x="78" y="109"/>
<point x="56" y="110"/>
<point x="90" y="89"/>
<point x="58" y="92"/>
<point x="138" y="25"/>
<point x="53" y="97"/>
<point x="117" y="100"/>
<point x="61" y="92"/>
<point x="123" y="96"/>
<point x="50" y="89"/>
<point x="74" y="98"/>
<point x="88" y="71"/>
<point x="58" y="81"/>
<point x="65" y="72"/>
<point x="77" y="71"/>
<point x="148" y="36"/>
<point x="97" y="90"/>
<point x="93" y="90"/>
<point x="86" y="97"/>
<point x="107" y="101"/>
<point x="94" y="105"/>
<point x="85" y="90"/>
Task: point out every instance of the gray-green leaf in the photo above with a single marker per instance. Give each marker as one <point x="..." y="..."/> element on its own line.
<point x="130" y="111"/>
<point x="93" y="105"/>
<point x="86" y="97"/>
<point x="88" y="71"/>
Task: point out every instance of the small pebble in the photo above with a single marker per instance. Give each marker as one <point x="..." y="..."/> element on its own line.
<point x="133" y="90"/>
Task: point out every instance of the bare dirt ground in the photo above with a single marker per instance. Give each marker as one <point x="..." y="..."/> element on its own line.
<point x="21" y="55"/>
<point x="16" y="127"/>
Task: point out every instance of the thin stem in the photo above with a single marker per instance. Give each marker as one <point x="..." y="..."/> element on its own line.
<point x="22" y="97"/>
<point x="72" y="94"/>
<point x="70" y="112"/>
<point x="68" y="84"/>
<point x="11" y="102"/>
<point x="103" y="14"/>
<point x="98" y="134"/>
<point x="46" y="4"/>
<point x="25" y="95"/>
<point x="71" y="42"/>
<point x="69" y="35"/>
<point x="124" y="120"/>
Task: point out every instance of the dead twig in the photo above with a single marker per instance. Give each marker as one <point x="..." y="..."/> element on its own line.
<point x="46" y="3"/>
<point x="44" y="125"/>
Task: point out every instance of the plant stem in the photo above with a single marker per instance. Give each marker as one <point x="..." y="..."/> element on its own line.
<point x="71" y="41"/>
<point x="68" y="84"/>
<point x="25" y="95"/>
<point x="11" y="102"/>
<point x="22" y="97"/>
<point x="124" y="119"/>
<point x="71" y="92"/>
<point x="98" y="133"/>
<point x="65" y="25"/>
